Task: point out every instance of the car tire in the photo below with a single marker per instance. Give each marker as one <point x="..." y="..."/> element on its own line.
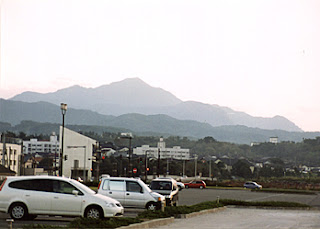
<point x="93" y="212"/>
<point x="152" y="206"/>
<point x="18" y="211"/>
<point x="187" y="186"/>
<point x="201" y="187"/>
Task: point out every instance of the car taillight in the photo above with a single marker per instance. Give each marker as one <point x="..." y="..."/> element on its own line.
<point x="99" y="184"/>
<point x="3" y="184"/>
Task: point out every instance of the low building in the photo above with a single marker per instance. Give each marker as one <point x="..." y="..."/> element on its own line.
<point x="11" y="159"/>
<point x="273" y="140"/>
<point x="35" y="146"/>
<point x="77" y="154"/>
<point x="175" y="152"/>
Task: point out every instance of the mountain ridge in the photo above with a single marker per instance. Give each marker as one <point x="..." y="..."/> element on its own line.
<point x="43" y="117"/>
<point x="133" y="95"/>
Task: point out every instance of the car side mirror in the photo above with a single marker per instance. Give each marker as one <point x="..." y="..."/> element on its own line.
<point x="75" y="192"/>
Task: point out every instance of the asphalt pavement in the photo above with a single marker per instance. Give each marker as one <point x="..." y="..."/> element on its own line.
<point x="245" y="218"/>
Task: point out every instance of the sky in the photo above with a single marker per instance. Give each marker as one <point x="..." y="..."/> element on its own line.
<point x="261" y="57"/>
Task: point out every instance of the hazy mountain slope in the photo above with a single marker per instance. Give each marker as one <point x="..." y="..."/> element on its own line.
<point x="46" y="117"/>
<point x="106" y="99"/>
<point x="274" y="123"/>
<point x="14" y="112"/>
<point x="135" y="96"/>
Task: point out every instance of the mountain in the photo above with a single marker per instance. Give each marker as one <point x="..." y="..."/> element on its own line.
<point x="14" y="112"/>
<point x="45" y="118"/>
<point x="135" y="96"/>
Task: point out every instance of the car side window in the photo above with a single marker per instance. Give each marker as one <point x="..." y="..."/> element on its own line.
<point x="41" y="185"/>
<point x="116" y="185"/>
<point x="133" y="186"/>
<point x="64" y="188"/>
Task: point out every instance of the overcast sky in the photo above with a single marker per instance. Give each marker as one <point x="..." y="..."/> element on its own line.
<point x="260" y="57"/>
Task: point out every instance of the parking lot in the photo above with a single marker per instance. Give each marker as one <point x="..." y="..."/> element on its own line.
<point x="193" y="196"/>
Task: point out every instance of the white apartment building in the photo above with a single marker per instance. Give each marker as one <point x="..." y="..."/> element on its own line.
<point x="12" y="158"/>
<point x="165" y="153"/>
<point x="273" y="140"/>
<point x="77" y="154"/>
<point x="35" y="146"/>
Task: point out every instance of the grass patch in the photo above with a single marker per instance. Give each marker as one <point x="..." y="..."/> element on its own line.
<point x="90" y="223"/>
<point x="105" y="223"/>
<point x="264" y="203"/>
<point x="288" y="191"/>
<point x="176" y="210"/>
<point x="39" y="226"/>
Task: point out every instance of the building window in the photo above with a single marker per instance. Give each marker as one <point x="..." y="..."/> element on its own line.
<point x="76" y="163"/>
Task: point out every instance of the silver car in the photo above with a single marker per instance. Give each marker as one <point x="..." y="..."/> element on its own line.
<point x="131" y="192"/>
<point x="252" y="185"/>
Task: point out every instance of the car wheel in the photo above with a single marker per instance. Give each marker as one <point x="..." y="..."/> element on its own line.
<point x="201" y="187"/>
<point x="187" y="186"/>
<point x="18" y="211"/>
<point x="152" y="206"/>
<point x="93" y="212"/>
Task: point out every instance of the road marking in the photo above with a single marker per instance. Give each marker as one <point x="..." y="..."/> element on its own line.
<point x="266" y="197"/>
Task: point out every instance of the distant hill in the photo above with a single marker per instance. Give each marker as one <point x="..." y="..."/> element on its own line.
<point x="135" y="96"/>
<point x="46" y="118"/>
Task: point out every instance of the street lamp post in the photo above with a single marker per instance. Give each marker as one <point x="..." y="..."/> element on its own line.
<point x="63" y="108"/>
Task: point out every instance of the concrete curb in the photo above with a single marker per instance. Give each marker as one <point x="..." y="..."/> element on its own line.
<point x="149" y="223"/>
<point x="193" y="214"/>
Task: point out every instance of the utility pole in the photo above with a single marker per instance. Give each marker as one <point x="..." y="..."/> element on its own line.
<point x="158" y="170"/>
<point x="4" y="149"/>
<point x="195" y="165"/>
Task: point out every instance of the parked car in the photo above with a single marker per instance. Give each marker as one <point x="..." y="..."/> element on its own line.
<point x="25" y="197"/>
<point x="180" y="185"/>
<point x="167" y="187"/>
<point x="196" y="184"/>
<point x="131" y="192"/>
<point x="252" y="185"/>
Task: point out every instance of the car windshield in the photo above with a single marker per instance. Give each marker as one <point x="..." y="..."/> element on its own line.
<point x="83" y="187"/>
<point x="160" y="185"/>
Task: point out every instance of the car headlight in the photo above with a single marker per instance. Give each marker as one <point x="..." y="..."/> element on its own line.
<point x="110" y="205"/>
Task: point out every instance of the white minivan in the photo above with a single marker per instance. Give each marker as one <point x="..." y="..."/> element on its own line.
<point x="131" y="192"/>
<point x="25" y="197"/>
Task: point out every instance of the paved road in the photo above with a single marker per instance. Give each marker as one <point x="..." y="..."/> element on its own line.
<point x="244" y="218"/>
<point x="193" y="196"/>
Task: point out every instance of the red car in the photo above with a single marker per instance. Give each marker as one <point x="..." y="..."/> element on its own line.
<point x="195" y="184"/>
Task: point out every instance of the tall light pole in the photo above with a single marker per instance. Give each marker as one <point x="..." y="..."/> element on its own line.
<point x="63" y="108"/>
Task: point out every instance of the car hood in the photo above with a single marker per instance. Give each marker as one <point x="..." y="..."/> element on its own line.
<point x="105" y="198"/>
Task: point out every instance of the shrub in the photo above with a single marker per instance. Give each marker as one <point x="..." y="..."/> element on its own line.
<point x="96" y="223"/>
<point x="176" y="210"/>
